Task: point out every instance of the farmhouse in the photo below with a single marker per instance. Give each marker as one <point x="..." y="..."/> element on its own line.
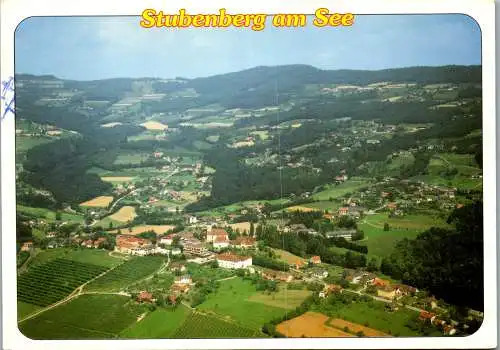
<point x="220" y="242"/>
<point x="233" y="261"/>
<point x="133" y="245"/>
<point x="315" y="260"/>
<point x="243" y="242"/>
<point x="186" y="279"/>
<point x="330" y="289"/>
<point x="176" y="251"/>
<point x="27" y="246"/>
<point x="166" y="239"/>
<point x="300" y="264"/>
<point x="144" y="296"/>
<point x="180" y="288"/>
<point x="217" y="234"/>
<point x="277" y="276"/>
<point x="343" y="211"/>
<point x="319" y="273"/>
<point x="386" y="292"/>
<point x="177" y="267"/>
<point x="192" y="220"/>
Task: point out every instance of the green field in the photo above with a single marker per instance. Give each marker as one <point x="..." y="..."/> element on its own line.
<point x="161" y="323"/>
<point x="203" y="326"/>
<point x="47" y="283"/>
<point x="336" y="191"/>
<point x="24" y="143"/>
<point x="25" y="309"/>
<point x="231" y="301"/>
<point x="374" y="315"/>
<point x="126" y="274"/>
<point x="48" y="214"/>
<point x="83" y="255"/>
<point x="131" y="158"/>
<point x="78" y="319"/>
<point x="285" y="299"/>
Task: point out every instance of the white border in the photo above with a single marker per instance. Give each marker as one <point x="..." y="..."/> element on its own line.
<point x="14" y="11"/>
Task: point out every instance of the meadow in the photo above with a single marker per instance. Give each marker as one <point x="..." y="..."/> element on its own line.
<point x="231" y="301"/>
<point x="126" y="274"/>
<point x="161" y="323"/>
<point x="135" y="230"/>
<point x="48" y="214"/>
<point x="98" y="202"/>
<point x="283" y="298"/>
<point x="287" y="256"/>
<point x="77" y="319"/>
<point x="336" y="191"/>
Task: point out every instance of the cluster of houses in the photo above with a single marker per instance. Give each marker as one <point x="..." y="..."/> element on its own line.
<point x="448" y="329"/>
<point x="132" y="245"/>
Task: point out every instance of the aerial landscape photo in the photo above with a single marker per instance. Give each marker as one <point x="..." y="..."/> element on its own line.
<point x="226" y="183"/>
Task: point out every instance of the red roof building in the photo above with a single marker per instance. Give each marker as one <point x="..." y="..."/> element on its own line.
<point x="217" y="234"/>
<point x="343" y="211"/>
<point x="145" y="297"/>
<point x="316" y="259"/>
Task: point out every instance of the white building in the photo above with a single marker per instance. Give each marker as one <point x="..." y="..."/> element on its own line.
<point x="233" y="261"/>
<point x="192" y="220"/>
<point x="176" y="251"/>
<point x="167" y="239"/>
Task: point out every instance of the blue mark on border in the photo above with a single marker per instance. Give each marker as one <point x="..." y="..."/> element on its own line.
<point x="8" y="97"/>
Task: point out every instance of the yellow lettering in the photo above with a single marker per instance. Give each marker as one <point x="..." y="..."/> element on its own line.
<point x="148" y="18"/>
<point x="321" y="20"/>
<point x="348" y="19"/>
<point x="259" y="22"/>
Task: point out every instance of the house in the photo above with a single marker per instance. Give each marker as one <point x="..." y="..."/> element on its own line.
<point x="277" y="276"/>
<point x="177" y="267"/>
<point x="144" y="296"/>
<point x="192" y="220"/>
<point x="220" y="242"/>
<point x="330" y="289"/>
<point x="315" y="260"/>
<point x="243" y="242"/>
<point x="27" y="246"/>
<point x="300" y="264"/>
<point x="328" y="216"/>
<point x="319" y="273"/>
<point x="386" y="292"/>
<point x="343" y="211"/>
<point x="172" y="299"/>
<point x="233" y="261"/>
<point x="392" y="206"/>
<point x="217" y="233"/>
<point x="186" y="279"/>
<point x="168" y="240"/>
<point x="195" y="247"/>
<point x="378" y="282"/>
<point x="403" y="289"/>
<point x="50" y="234"/>
<point x="98" y="242"/>
<point x="176" y="251"/>
<point x="88" y="244"/>
<point x="449" y="330"/>
<point x="424" y="316"/>
<point x="133" y="245"/>
<point x="178" y="289"/>
<point x="160" y="250"/>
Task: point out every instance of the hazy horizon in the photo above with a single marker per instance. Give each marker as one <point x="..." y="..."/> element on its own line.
<point x="96" y="48"/>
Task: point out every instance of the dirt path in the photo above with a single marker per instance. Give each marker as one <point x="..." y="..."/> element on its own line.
<point x="227" y="278"/>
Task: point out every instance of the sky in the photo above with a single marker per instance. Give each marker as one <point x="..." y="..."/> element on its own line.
<point x="90" y="48"/>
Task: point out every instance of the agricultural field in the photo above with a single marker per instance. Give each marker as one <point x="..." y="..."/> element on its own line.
<point x="310" y="325"/>
<point x="374" y="315"/>
<point x="287" y="256"/>
<point x="200" y="272"/>
<point x="131" y="158"/>
<point x="78" y="320"/>
<point x="117" y="179"/>
<point x="231" y="301"/>
<point x="285" y="299"/>
<point x="198" y="325"/>
<point x="355" y="328"/>
<point x="83" y="255"/>
<point x="336" y="191"/>
<point x="48" y="214"/>
<point x="25" y="309"/>
<point x="241" y="227"/>
<point x="135" y="230"/>
<point x="98" y="202"/>
<point x="154" y="125"/>
<point x="161" y="323"/>
<point x="47" y="283"/>
<point x="125" y="214"/>
<point x="126" y="274"/>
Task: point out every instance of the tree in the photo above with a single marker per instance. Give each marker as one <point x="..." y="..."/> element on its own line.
<point x="58" y="216"/>
<point x="386" y="226"/>
<point x="252" y="229"/>
<point x="110" y="225"/>
<point x="372" y="265"/>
